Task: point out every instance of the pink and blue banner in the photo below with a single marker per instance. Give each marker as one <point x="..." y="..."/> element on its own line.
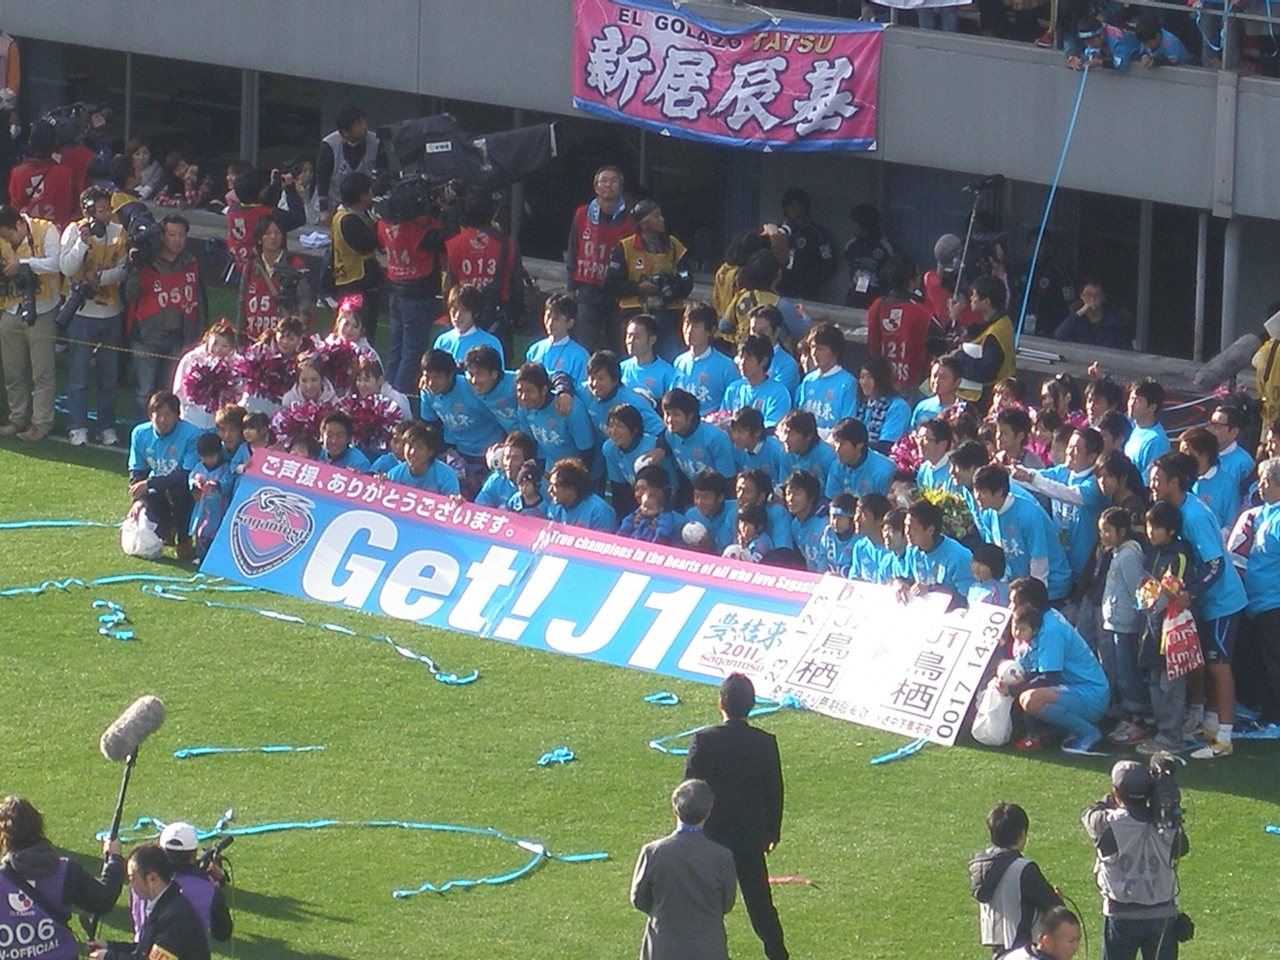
<point x="785" y="85"/>
<point x="310" y="530"/>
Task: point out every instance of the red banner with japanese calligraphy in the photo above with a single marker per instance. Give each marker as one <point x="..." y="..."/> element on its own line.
<point x="785" y="85"/>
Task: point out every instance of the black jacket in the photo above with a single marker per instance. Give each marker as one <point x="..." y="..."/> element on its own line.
<point x="172" y="926"/>
<point x="742" y="767"/>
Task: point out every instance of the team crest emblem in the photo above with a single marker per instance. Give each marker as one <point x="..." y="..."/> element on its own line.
<point x="19" y="902"/>
<point x="268" y="529"/>
<point x="239" y="229"/>
<point x="893" y="322"/>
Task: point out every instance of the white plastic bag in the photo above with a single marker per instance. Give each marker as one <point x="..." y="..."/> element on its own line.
<point x="993" y="723"/>
<point x="138" y="534"/>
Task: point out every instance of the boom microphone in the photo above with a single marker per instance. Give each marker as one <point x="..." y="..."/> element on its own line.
<point x="143" y="717"/>
<point x="1237" y="357"/>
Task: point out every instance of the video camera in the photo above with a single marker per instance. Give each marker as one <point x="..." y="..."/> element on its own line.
<point x="287" y="280"/>
<point x="142" y="234"/>
<point x="23" y="285"/>
<point x="75" y="120"/>
<point x="1164" y="799"/>
<point x="417" y="196"/>
<point x="213" y="855"/>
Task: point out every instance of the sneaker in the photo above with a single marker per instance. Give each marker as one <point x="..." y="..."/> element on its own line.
<point x="109" y="438"/>
<point x="1081" y="745"/>
<point x="1203" y="734"/>
<point x="1045" y="40"/>
<point x="33" y="434"/>
<point x="78" y="437"/>
<point x="1191" y="724"/>
<point x="1212" y="751"/>
<point x="1032" y="741"/>
<point x="11" y="429"/>
<point x="1127" y="732"/>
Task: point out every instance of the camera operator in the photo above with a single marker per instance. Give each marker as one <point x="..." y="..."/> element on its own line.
<point x="202" y="886"/>
<point x="355" y="251"/>
<point x="171" y="930"/>
<point x="93" y="259"/>
<point x="352" y="148"/>
<point x="485" y="257"/>
<point x="29" y="247"/>
<point x="167" y="309"/>
<point x="1137" y="851"/>
<point x="40" y="186"/>
<point x="274" y="283"/>
<point x="649" y="273"/>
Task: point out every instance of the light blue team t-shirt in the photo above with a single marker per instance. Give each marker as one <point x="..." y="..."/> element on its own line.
<point x="1262" y="575"/>
<point x="457" y="344"/>
<point x="565" y="356"/>
<point x="653" y="379"/>
<point x="872" y="475"/>
<point x="437" y="478"/>
<point x="829" y="396"/>
<point x="1024" y="531"/>
<point x="706" y="377"/>
<point x="1058" y="648"/>
<point x="1200" y="528"/>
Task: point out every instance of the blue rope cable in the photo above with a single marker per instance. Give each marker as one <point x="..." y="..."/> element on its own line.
<point x="539" y="852"/>
<point x="186" y="753"/>
<point x="906" y="750"/>
<point x="1048" y="207"/>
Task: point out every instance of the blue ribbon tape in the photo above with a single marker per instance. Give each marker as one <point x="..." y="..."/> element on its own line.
<point x="663" y="698"/>
<point x="905" y="750"/>
<point x="558" y="755"/>
<point x="110" y="622"/>
<point x="1273" y="829"/>
<point x="539" y="852"/>
<point x="47" y="524"/>
<point x="186" y="753"/>
<point x="764" y="708"/>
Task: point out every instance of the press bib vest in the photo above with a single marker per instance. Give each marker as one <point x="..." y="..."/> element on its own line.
<point x="50" y="283"/>
<point x="27" y="931"/>
<point x="348" y="266"/>
<point x="260" y="308"/>
<point x="163" y="290"/>
<point x="1141" y="869"/>
<point x="1002" y="331"/>
<point x="240" y="227"/>
<point x="406" y="260"/>
<point x="341" y="168"/>
<point x="644" y="264"/>
<point x="103" y="255"/>
<point x="595" y="243"/>
<point x="477" y="258"/>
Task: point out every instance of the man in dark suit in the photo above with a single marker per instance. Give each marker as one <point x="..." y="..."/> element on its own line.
<point x="742" y="766"/>
<point x="686" y="884"/>
<point x="172" y="930"/>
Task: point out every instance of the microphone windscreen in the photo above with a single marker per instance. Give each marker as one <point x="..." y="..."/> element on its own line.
<point x="142" y="718"/>
<point x="1237" y="357"/>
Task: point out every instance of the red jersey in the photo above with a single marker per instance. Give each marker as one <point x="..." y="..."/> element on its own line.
<point x="241" y="224"/>
<point x="76" y="157"/>
<point x="479" y="258"/>
<point x="260" y="309"/>
<point x="406" y="260"/>
<point x="161" y="291"/>
<point x="593" y="244"/>
<point x="898" y="330"/>
<point x="42" y="188"/>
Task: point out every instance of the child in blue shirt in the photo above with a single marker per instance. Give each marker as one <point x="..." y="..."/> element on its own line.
<point x="558" y="352"/>
<point x="395" y="449"/>
<point x="421" y="470"/>
<point x="500" y="486"/>
<point x="529" y="500"/>
<point x="336" y="446"/>
<point x="651" y="521"/>
<point x="644" y="371"/>
<point x="798" y="434"/>
<point x="211" y="484"/>
<point x="710" y="490"/>
<point x="756" y="487"/>
<point x="988" y="584"/>
<point x="802" y="494"/>
<point x="838" y="538"/>
<point x="752" y="539"/>
<point x="229" y="424"/>
<point x="465" y="305"/>
<point x="702" y="370"/>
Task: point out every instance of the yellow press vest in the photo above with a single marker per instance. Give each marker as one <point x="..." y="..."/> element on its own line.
<point x="348" y="266"/>
<point x="102" y="255"/>
<point x="645" y="264"/>
<point x="1002" y="330"/>
<point x="33" y="246"/>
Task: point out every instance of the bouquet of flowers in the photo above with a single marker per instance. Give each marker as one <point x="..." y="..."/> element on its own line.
<point x="906" y="453"/>
<point x="338" y="357"/>
<point x="266" y="373"/>
<point x="957" y="518"/>
<point x="298" y="419"/>
<point x="209" y="382"/>
<point x="1151" y="590"/>
<point x="372" y="418"/>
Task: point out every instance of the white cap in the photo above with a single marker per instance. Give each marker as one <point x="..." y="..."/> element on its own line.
<point x="178" y="836"/>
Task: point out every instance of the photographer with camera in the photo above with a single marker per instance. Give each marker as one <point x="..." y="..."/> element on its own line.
<point x="649" y="273"/>
<point x="167" y="308"/>
<point x="274" y="283"/>
<point x="93" y="259"/>
<point x="199" y="879"/>
<point x="1137" y="832"/>
<point x="29" y="297"/>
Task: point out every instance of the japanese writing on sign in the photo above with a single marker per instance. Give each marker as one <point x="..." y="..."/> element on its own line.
<point x="792" y="85"/>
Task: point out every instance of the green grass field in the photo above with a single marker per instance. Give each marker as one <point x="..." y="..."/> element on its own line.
<point x="885" y="847"/>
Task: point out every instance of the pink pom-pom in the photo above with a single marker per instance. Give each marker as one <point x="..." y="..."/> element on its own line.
<point x="210" y="383"/>
<point x="372" y="418"/>
<point x="338" y="357"/>
<point x="298" y="419"/>
<point x="266" y="373"/>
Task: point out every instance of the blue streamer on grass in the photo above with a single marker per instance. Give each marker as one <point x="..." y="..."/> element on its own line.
<point x="539" y="852"/>
<point x="46" y="524"/>
<point x="110" y="622"/>
<point x="663" y="698"/>
<point x="1273" y="829"/>
<point x="558" y="755"/>
<point x="906" y="750"/>
<point x="186" y="753"/>
<point x="764" y="708"/>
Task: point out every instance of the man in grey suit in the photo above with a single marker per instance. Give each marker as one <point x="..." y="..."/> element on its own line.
<point x="686" y="884"/>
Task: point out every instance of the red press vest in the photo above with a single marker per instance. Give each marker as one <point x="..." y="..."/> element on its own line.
<point x="43" y="188"/>
<point x="406" y="261"/>
<point x="594" y="243"/>
<point x="474" y="257"/>
<point x="898" y="331"/>
<point x="240" y="227"/>
<point x="260" y="311"/>
<point x="163" y="290"/>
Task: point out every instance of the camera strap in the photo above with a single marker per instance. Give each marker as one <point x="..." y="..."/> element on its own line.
<point x="268" y="276"/>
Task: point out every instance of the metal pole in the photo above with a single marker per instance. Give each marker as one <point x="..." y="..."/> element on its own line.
<point x="128" y="97"/>
<point x="1202" y="275"/>
<point x="1143" y="305"/>
<point x="1230" y="281"/>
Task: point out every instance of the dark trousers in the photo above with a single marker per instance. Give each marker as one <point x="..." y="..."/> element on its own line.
<point x="1256" y="664"/>
<point x="753" y="881"/>
<point x="170" y="510"/>
<point x="1122" y="939"/>
<point x="596" y="327"/>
